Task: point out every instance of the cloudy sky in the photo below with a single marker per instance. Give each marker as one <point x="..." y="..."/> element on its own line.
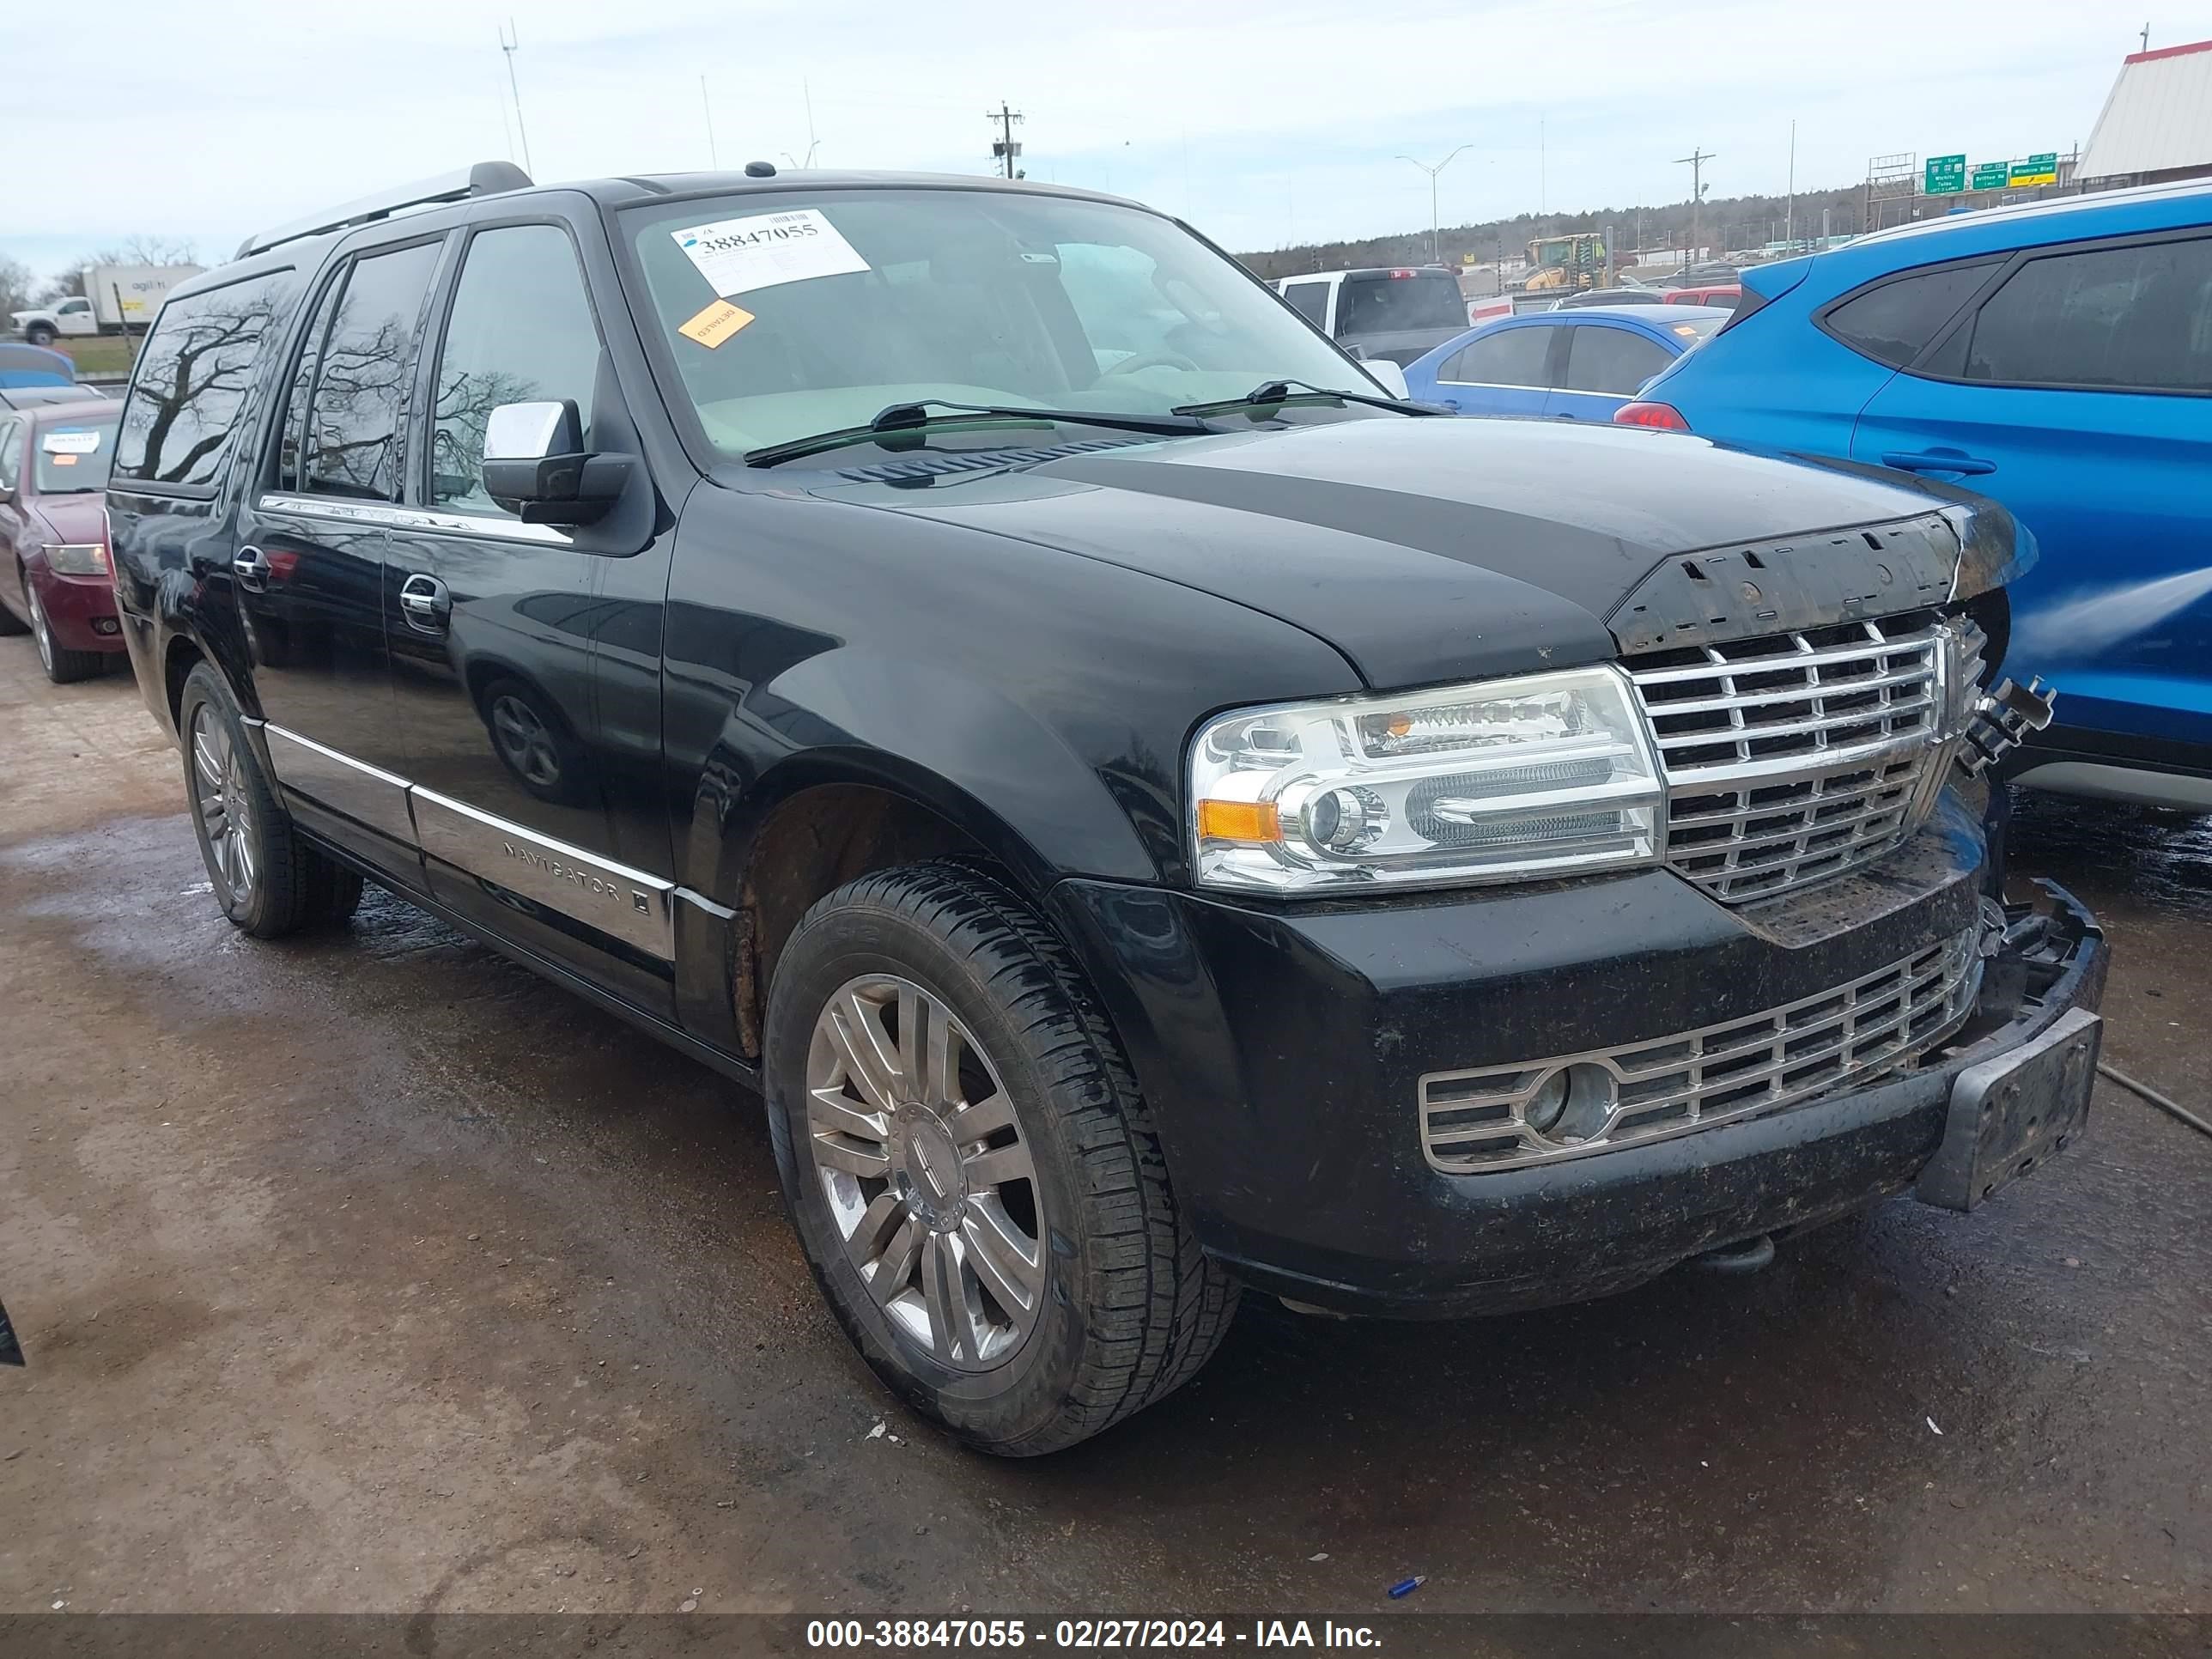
<point x="1262" y="121"/>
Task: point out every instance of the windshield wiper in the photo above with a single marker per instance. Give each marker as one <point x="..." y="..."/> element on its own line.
<point x="1283" y="391"/>
<point x="916" y="418"/>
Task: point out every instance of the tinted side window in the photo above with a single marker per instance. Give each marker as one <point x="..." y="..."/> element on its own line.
<point x="1386" y="305"/>
<point x="1600" y="359"/>
<point x="353" y="425"/>
<point x="303" y="380"/>
<point x="1309" y="300"/>
<point x="193" y="376"/>
<point x="1513" y="357"/>
<point x="1894" y="321"/>
<point x="2135" y="316"/>
<point x="520" y="332"/>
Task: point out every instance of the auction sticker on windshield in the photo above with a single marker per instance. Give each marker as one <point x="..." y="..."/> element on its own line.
<point x="764" y="249"/>
<point x="72" y="443"/>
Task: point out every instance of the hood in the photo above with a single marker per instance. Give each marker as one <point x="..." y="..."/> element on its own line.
<point x="74" y="518"/>
<point x="1423" y="549"/>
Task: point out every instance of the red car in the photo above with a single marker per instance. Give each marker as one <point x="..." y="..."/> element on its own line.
<point x="53" y="535"/>
<point x="1723" y="295"/>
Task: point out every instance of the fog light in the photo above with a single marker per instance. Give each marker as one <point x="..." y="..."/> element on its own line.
<point x="1573" y="1103"/>
<point x="1545" y="1106"/>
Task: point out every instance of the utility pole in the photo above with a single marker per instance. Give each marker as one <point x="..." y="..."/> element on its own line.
<point x="714" y="156"/>
<point x="510" y="43"/>
<point x="1003" y="149"/>
<point x="1695" y="160"/>
<point x="2146" y="37"/>
<point x="1790" y="202"/>
<point x="1436" y="257"/>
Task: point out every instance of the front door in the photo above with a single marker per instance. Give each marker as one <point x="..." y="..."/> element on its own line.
<point x="498" y="633"/>
<point x="1504" y="370"/>
<point x="2076" y="394"/>
<point x="310" y="566"/>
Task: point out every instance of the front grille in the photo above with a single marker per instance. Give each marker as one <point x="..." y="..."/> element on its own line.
<point x="1860" y="1032"/>
<point x="1793" y="757"/>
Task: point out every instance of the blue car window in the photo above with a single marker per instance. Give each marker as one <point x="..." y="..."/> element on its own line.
<point x="1511" y="357"/>
<point x="1612" y="360"/>
<point x="2137" y="317"/>
<point x="1893" y="321"/>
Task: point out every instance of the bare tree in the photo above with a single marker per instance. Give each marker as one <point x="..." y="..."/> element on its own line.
<point x="15" y="286"/>
<point x="130" y="251"/>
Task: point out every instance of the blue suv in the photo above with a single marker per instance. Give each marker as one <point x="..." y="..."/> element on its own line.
<point x="2057" y="357"/>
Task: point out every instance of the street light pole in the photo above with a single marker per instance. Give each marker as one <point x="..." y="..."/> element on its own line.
<point x="1436" y="255"/>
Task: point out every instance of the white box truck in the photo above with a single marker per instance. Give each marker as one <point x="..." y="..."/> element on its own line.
<point x="117" y="300"/>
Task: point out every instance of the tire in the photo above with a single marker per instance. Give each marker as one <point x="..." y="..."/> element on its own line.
<point x="1122" y="1307"/>
<point x="63" y="666"/>
<point x="268" y="880"/>
<point x="39" y="334"/>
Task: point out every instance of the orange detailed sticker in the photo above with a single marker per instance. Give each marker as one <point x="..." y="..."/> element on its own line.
<point x="61" y="460"/>
<point x="715" y="323"/>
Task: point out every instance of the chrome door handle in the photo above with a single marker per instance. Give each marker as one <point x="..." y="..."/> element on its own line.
<point x="251" y="568"/>
<point x="425" y="603"/>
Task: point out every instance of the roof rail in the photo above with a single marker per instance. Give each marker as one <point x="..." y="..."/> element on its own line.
<point x="484" y="178"/>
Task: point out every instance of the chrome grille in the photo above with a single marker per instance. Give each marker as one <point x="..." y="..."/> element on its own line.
<point x="1793" y="757"/>
<point x="1859" y="1032"/>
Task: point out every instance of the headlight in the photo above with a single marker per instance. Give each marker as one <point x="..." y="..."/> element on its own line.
<point x="76" y="558"/>
<point x="1544" y="775"/>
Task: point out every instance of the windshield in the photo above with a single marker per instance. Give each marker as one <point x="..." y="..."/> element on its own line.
<point x="74" y="456"/>
<point x="791" y="314"/>
<point x="1391" y="302"/>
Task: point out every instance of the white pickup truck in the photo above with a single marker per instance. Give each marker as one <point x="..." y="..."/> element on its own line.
<point x="118" y="299"/>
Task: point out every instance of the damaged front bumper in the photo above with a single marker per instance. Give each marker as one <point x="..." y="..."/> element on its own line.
<point x="1283" y="1054"/>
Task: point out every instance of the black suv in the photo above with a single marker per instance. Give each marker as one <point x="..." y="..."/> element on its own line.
<point x="1151" y="815"/>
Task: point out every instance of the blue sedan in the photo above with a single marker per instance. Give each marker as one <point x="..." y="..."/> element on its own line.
<point x="2058" y="357"/>
<point x="1578" y="365"/>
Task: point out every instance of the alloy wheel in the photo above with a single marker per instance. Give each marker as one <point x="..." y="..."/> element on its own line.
<point x="221" y="799"/>
<point x="925" y="1171"/>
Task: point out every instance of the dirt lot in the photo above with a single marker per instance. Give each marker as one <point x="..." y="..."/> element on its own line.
<point x="370" y="1273"/>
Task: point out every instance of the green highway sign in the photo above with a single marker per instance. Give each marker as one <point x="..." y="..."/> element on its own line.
<point x="1945" y="174"/>
<point x="1990" y="175"/>
<point x="2036" y="170"/>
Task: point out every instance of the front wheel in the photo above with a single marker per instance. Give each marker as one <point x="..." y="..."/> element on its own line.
<point x="971" y="1171"/>
<point x="63" y="666"/>
<point x="40" y="334"/>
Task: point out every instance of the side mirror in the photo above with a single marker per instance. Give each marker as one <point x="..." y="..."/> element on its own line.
<point x="1387" y="375"/>
<point x="534" y="465"/>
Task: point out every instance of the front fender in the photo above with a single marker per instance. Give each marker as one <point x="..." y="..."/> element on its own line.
<point x="964" y="750"/>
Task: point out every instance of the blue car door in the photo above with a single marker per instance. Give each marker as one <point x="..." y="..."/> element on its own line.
<point x="2079" y="393"/>
<point x="1607" y="361"/>
<point x="1506" y="369"/>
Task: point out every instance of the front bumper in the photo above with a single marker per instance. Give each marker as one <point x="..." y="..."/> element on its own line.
<point x="1281" y="1051"/>
<point x="80" y="609"/>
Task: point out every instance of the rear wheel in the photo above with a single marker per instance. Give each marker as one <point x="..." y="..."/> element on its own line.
<point x="971" y="1169"/>
<point x="268" y="880"/>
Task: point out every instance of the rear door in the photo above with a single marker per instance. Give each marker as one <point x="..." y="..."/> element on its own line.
<point x="499" y="626"/>
<point x="309" y="569"/>
<point x="2078" y="392"/>
<point x="12" y="449"/>
<point x="1607" y="363"/>
<point x="1504" y="370"/>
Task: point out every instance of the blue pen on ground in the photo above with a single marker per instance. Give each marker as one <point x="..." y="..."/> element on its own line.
<point x="1405" y="1587"/>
